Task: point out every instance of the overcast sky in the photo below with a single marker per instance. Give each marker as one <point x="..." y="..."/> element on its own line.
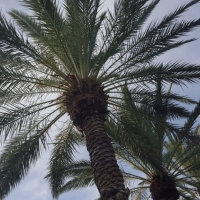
<point x="33" y="187"/>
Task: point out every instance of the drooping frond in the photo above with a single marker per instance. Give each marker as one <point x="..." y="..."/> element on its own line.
<point x="23" y="150"/>
<point x="78" y="175"/>
<point x="16" y="119"/>
<point x="17" y="158"/>
<point x="62" y="155"/>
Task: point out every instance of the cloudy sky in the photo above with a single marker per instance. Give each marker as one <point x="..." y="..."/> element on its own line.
<point x="33" y="187"/>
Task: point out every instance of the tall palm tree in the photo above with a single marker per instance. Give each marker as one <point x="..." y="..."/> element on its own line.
<point x="71" y="61"/>
<point x="158" y="155"/>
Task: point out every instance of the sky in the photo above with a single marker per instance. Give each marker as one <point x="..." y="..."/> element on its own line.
<point x="34" y="187"/>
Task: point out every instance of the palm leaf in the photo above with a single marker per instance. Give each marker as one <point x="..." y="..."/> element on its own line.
<point x="62" y="156"/>
<point x="80" y="174"/>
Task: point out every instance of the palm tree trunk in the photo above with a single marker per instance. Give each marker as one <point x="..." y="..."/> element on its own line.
<point x="87" y="104"/>
<point x="163" y="188"/>
<point x="107" y="175"/>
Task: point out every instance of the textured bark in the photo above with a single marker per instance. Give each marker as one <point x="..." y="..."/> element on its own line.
<point x="163" y="188"/>
<point x="87" y="103"/>
<point x="107" y="176"/>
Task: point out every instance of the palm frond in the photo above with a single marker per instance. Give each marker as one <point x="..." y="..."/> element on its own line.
<point x="17" y="118"/>
<point x="78" y="175"/>
<point x="14" y="42"/>
<point x="157" y="38"/>
<point x="127" y="18"/>
<point x="193" y="117"/>
<point x="62" y="156"/>
<point x="17" y="158"/>
<point x="140" y="194"/>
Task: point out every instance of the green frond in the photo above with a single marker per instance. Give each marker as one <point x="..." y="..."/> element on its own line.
<point x="121" y="25"/>
<point x="15" y="43"/>
<point x="62" y="156"/>
<point x="180" y="10"/>
<point x="135" y="145"/>
<point x="77" y="183"/>
<point x="141" y="194"/>
<point x="155" y="40"/>
<point x="77" y="168"/>
<point x="18" y="118"/>
<point x="128" y="176"/>
<point x="16" y="160"/>
<point x="85" y="21"/>
<point x="16" y="80"/>
<point x="134" y="161"/>
<point x="176" y="73"/>
<point x="78" y="174"/>
<point x="21" y="152"/>
<point x="171" y="150"/>
<point x="36" y="31"/>
<point x="48" y="13"/>
<point x="186" y="194"/>
<point x="20" y="95"/>
<point x="132" y="125"/>
<point x="192" y="118"/>
<point x="184" y="160"/>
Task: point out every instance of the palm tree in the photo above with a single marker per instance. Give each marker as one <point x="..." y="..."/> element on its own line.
<point x="166" y="166"/>
<point x="72" y="61"/>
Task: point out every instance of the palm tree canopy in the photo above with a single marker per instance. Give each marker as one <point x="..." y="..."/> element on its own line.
<point x="58" y="61"/>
